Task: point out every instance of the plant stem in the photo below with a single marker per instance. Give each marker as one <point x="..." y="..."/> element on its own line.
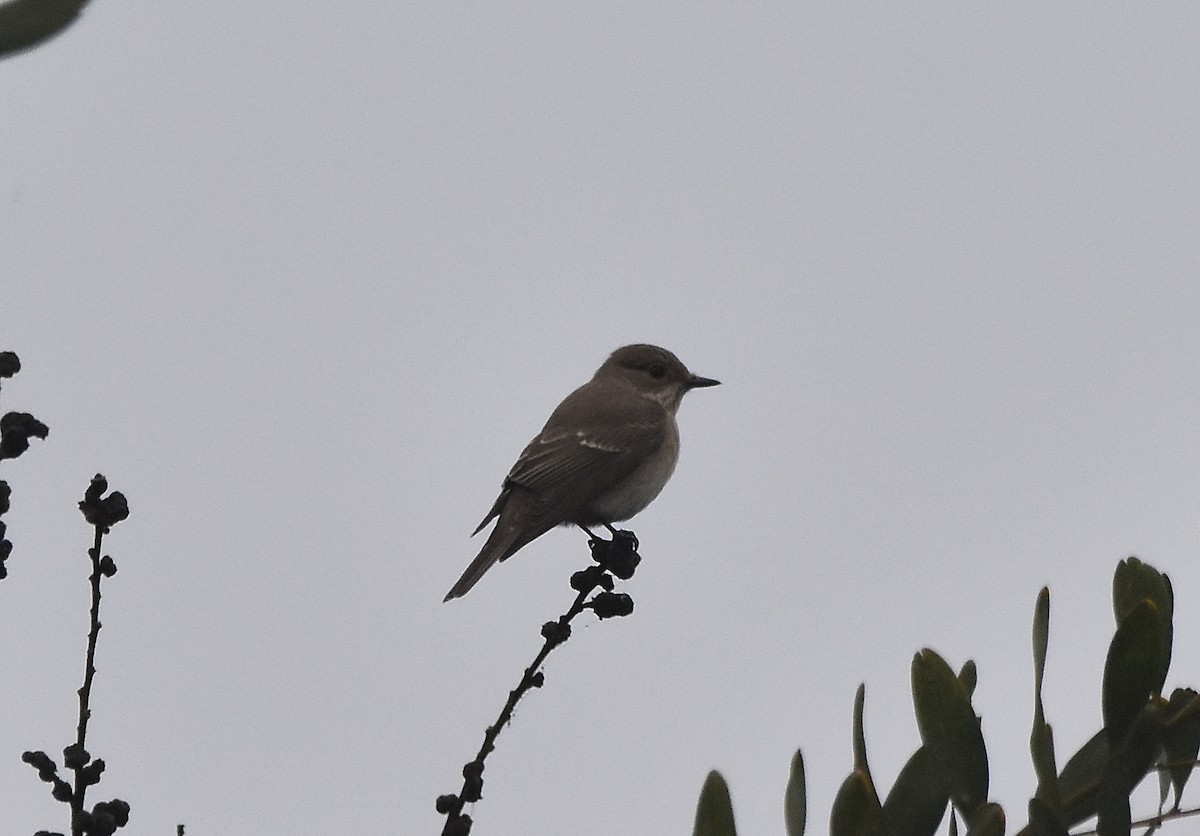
<point x="85" y="692"/>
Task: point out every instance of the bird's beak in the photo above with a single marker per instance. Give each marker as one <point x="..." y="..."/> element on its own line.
<point x="697" y="382"/>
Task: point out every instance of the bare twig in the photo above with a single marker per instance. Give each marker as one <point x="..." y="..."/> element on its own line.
<point x="102" y="512"/>
<point x="16" y="428"/>
<point x="1152" y="822"/>
<point x="617" y="557"/>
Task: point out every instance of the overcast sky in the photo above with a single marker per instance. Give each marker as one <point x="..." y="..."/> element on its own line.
<point x="302" y="280"/>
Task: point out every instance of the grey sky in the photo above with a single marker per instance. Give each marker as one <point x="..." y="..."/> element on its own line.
<point x="302" y="281"/>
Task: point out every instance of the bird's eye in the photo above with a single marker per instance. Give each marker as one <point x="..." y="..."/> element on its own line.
<point x="657" y="371"/>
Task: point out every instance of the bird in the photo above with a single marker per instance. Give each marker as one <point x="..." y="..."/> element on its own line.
<point x="604" y="454"/>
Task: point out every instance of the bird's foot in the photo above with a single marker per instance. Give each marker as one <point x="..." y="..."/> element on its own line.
<point x="624" y="537"/>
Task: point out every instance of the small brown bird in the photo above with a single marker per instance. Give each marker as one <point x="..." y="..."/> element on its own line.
<point x="604" y="455"/>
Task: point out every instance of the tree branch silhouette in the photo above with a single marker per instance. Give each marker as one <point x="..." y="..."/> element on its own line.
<point x="615" y="558"/>
<point x="102" y="512"/>
<point x="16" y="428"/>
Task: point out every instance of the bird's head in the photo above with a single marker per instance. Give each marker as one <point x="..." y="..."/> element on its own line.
<point x="653" y="372"/>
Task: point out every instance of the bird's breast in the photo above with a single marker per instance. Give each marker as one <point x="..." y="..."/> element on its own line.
<point x="637" y="490"/>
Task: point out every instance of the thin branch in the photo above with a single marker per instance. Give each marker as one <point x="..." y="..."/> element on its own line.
<point x="617" y="557"/>
<point x="101" y="512"/>
<point x="1168" y="765"/>
<point x="1152" y="822"/>
<point x="85" y="692"/>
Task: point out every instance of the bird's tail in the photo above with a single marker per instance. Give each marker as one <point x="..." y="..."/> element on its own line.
<point x="501" y="543"/>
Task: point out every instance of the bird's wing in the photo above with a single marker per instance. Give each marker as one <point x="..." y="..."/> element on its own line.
<point x="614" y="435"/>
<point x="563" y="457"/>
<point x="617" y="435"/>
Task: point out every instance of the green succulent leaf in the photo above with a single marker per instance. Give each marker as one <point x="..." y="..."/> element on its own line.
<point x="1126" y="768"/>
<point x="1044" y="820"/>
<point x="950" y="729"/>
<point x="988" y="820"/>
<point x="856" y="809"/>
<point x="1041" y="641"/>
<point x="1143" y="743"/>
<point x="1113" y="816"/>
<point x="26" y="23"/>
<point x="1080" y="780"/>
<point x="1041" y="738"/>
<point x="860" y="738"/>
<point x="1181" y="738"/>
<point x="1132" y="668"/>
<point x="1164" y="785"/>
<point x="969" y="677"/>
<point x="1041" y="745"/>
<point x="1134" y="582"/>
<point x="714" y="812"/>
<point x="917" y="801"/>
<point x="795" y="804"/>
